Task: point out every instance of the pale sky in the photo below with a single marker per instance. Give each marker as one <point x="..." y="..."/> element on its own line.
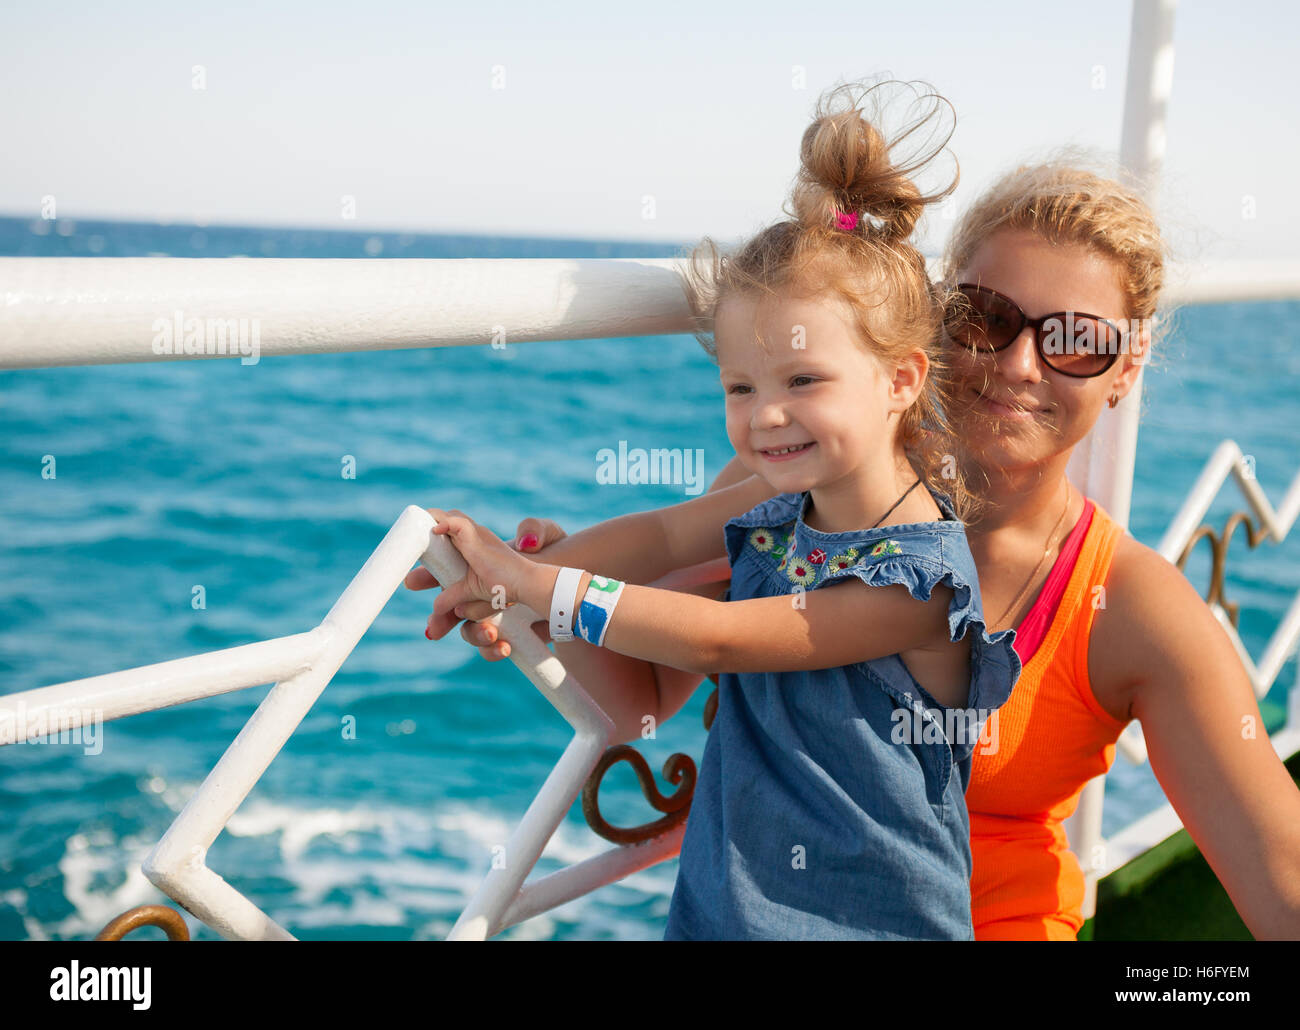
<point x="696" y="105"/>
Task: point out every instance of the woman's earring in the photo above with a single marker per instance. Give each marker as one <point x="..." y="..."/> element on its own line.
<point x="1114" y="399"/>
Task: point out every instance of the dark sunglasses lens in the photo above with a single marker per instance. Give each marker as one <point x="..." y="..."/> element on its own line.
<point x="1079" y="345"/>
<point x="983" y="320"/>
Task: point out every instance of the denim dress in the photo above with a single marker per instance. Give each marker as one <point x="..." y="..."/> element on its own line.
<point x="831" y="804"/>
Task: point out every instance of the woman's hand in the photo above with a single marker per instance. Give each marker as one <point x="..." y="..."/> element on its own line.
<point x="532" y="537"/>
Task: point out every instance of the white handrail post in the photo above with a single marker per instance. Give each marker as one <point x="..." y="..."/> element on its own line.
<point x="593" y="732"/>
<point x="1103" y="462"/>
<point x="177" y="864"/>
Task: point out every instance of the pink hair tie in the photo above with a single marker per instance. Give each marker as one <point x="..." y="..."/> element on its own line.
<point x="846" y="220"/>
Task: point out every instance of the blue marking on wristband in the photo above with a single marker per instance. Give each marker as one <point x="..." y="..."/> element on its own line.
<point x="596" y="608"/>
<point x="591" y="623"/>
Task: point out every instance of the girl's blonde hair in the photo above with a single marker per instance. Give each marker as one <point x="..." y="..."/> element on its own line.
<point x="853" y="209"/>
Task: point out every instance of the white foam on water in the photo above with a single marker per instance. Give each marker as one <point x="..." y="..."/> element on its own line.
<point x="298" y="828"/>
<point x="360" y="911"/>
<point x="16" y="898"/>
<point x="85" y="858"/>
<point x="394" y="866"/>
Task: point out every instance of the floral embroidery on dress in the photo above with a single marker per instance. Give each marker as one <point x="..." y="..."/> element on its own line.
<point x="784" y="551"/>
<point x="805" y="570"/>
<point x="801" y="571"/>
<point x="842" y="561"/>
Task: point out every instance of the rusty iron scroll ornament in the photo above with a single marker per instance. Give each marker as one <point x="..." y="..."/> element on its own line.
<point x="146" y="915"/>
<point x="677" y="769"/>
<point x="677" y="807"/>
<point x="1219" y="548"/>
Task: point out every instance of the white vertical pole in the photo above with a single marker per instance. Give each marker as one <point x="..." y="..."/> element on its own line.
<point x="1103" y="462"/>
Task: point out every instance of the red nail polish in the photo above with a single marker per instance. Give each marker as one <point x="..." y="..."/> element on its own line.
<point x="428" y="633"/>
<point x="527" y="540"/>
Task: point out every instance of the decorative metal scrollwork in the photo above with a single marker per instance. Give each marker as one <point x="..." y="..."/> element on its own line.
<point x="146" y="915"/>
<point x="677" y="769"/>
<point x="1219" y="549"/>
<point x="676" y="808"/>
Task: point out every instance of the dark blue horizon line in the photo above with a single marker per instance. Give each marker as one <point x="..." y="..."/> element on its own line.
<point x="394" y="233"/>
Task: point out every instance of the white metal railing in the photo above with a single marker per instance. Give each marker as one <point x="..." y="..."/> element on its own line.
<point x="301" y="667"/>
<point x="93" y="311"/>
<point x="72" y="311"/>
<point x="54" y="307"/>
<point x="1227" y="460"/>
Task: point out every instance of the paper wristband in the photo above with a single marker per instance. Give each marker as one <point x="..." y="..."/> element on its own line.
<point x="562" y="600"/>
<point x="597" y="607"/>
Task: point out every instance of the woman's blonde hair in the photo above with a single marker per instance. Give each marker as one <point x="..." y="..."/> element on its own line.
<point x="1065" y="203"/>
<point x="852" y="212"/>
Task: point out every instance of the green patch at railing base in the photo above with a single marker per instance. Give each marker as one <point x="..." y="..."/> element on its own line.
<point x="1170" y="893"/>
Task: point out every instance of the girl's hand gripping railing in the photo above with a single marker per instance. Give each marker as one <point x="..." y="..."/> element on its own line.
<point x="593" y="731"/>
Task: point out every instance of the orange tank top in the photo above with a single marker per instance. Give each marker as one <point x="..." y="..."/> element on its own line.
<point x="1052" y="737"/>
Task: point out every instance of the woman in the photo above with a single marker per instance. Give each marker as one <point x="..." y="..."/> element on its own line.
<point x="1107" y="629"/>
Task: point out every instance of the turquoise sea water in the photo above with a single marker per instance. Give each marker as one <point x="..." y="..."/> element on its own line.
<point x="228" y="476"/>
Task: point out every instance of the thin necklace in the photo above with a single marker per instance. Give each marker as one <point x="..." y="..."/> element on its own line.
<point x="896" y="504"/>
<point x="1046" y="551"/>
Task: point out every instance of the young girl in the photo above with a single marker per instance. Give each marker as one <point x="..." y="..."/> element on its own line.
<point x="830" y="798"/>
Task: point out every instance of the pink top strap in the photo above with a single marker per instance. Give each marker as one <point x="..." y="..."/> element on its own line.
<point x="1033" y="627"/>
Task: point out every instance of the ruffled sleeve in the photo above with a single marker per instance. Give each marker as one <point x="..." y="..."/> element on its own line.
<point x="994" y="664"/>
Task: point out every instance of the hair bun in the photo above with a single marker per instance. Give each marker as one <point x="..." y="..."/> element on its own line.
<point x="848" y="167"/>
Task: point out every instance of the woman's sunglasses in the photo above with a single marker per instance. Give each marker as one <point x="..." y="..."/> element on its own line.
<point x="1069" y="342"/>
